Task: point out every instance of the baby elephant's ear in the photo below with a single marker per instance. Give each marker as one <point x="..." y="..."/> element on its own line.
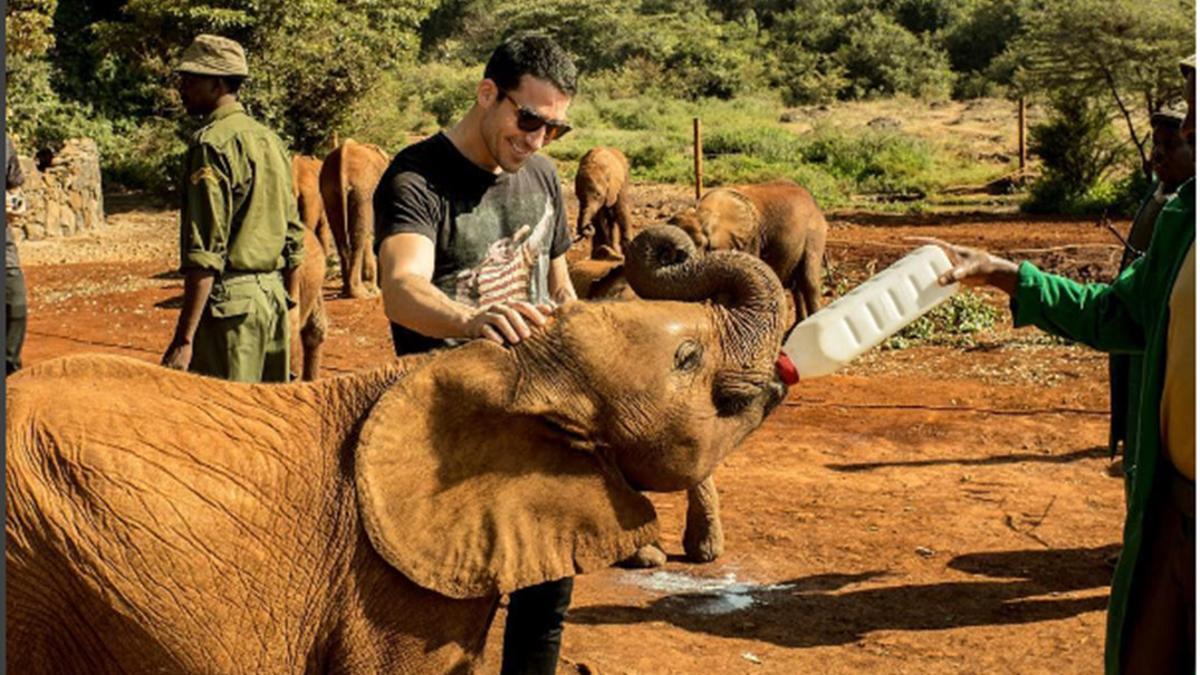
<point x="468" y="497"/>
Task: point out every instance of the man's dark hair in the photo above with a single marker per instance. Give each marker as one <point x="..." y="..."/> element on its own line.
<point x="233" y="83"/>
<point x="534" y="55"/>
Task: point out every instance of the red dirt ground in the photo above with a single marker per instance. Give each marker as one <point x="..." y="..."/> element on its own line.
<point x="929" y="510"/>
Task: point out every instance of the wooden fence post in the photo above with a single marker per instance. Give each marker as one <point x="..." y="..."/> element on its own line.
<point x="1021" y="131"/>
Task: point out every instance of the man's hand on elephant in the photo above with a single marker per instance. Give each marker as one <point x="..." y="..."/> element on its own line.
<point x="178" y="356"/>
<point x="974" y="267"/>
<point x="508" y="322"/>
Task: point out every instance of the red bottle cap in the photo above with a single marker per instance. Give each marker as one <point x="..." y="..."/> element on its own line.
<point x="786" y="369"/>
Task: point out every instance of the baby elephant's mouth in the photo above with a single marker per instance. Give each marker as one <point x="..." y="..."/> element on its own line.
<point x="776" y="391"/>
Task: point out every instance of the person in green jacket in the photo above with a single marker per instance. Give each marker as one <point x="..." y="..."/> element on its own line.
<point x="1173" y="162"/>
<point x="241" y="240"/>
<point x="1149" y="310"/>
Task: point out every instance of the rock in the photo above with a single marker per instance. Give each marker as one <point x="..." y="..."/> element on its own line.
<point x="66" y="197"/>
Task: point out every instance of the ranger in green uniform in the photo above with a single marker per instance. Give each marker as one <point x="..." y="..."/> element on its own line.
<point x="1150" y="310"/>
<point x="240" y="235"/>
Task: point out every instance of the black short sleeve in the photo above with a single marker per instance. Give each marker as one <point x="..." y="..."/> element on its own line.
<point x="404" y="203"/>
<point x="562" y="234"/>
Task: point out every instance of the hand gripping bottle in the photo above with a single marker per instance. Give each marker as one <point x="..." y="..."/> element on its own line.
<point x="869" y="314"/>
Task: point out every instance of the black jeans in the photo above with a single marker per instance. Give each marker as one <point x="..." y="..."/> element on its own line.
<point x="533" y="631"/>
<point x="14" y="318"/>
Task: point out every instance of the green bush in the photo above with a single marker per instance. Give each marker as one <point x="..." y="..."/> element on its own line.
<point x="873" y="161"/>
<point x="1078" y="149"/>
<point x="881" y="58"/>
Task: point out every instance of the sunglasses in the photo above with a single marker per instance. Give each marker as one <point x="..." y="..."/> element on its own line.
<point x="530" y="121"/>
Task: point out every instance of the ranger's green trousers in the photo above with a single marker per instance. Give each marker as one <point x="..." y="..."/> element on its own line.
<point x="243" y="333"/>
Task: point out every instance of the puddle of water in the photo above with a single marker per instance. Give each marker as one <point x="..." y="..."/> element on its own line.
<point x="703" y="595"/>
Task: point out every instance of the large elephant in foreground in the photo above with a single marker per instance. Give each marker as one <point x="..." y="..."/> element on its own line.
<point x="348" y="179"/>
<point x="160" y="521"/>
<point x="310" y="323"/>
<point x="778" y="222"/>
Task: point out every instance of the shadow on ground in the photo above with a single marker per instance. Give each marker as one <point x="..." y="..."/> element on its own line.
<point x="810" y="612"/>
<point x="1098" y="452"/>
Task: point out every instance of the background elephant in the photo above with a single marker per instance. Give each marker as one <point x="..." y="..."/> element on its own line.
<point x="349" y="175"/>
<point x="159" y="521"/>
<point x="602" y="187"/>
<point x="777" y="221"/>
<point x="310" y="324"/>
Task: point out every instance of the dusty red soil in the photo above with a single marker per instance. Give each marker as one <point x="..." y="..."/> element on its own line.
<point x="929" y="510"/>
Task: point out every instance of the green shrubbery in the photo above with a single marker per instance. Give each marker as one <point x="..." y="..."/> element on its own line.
<point x="385" y="71"/>
<point x="1079" y="150"/>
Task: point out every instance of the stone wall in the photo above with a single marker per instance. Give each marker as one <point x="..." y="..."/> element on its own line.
<point x="65" y="198"/>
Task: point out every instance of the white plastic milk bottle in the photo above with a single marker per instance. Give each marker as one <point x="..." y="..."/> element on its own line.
<point x="869" y="314"/>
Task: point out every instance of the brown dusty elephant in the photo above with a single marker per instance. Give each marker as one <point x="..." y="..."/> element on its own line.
<point x="349" y="175"/>
<point x="703" y="536"/>
<point x="778" y="222"/>
<point x="311" y="323"/>
<point x="602" y="187"/>
<point x="159" y="521"/>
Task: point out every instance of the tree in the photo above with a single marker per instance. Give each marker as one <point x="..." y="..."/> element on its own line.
<point x="309" y="59"/>
<point x="1125" y="50"/>
<point x="881" y="58"/>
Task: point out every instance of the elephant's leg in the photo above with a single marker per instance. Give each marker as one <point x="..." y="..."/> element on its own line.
<point x="647" y="556"/>
<point x="601" y="240"/>
<point x="703" y="538"/>
<point x="370" y="264"/>
<point x="809" y="276"/>
<point x="297" y="353"/>
<point x="337" y="223"/>
<point x="313" y="337"/>
<point x="358" y="246"/>
<point x="624" y="220"/>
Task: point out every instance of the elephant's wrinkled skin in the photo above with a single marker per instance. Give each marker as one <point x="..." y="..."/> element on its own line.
<point x="604" y="279"/>
<point x="778" y="222"/>
<point x="602" y="186"/>
<point x="163" y="522"/>
<point x="310" y="323"/>
<point x="349" y="175"/>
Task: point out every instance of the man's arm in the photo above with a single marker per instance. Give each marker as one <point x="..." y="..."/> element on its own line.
<point x="1099" y="315"/>
<point x="561" y="288"/>
<point x="203" y="245"/>
<point x="406" y="262"/>
<point x="197" y="285"/>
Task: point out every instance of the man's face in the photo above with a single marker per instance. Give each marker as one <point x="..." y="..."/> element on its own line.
<point x="199" y="93"/>
<point x="509" y="146"/>
<point x="1172" y="156"/>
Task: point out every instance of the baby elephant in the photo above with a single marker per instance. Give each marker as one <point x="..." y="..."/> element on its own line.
<point x="778" y="222"/>
<point x="601" y="186"/>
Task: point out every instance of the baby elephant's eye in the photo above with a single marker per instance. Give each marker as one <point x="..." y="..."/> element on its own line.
<point x="688" y="356"/>
<point x="730" y="403"/>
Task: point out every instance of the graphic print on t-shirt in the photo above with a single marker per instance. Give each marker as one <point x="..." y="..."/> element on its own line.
<point x="514" y="268"/>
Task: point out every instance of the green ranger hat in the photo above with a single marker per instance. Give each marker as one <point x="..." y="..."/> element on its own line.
<point x="213" y="55"/>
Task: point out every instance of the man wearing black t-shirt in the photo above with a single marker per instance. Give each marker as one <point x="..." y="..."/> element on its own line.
<point x="471" y="235"/>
